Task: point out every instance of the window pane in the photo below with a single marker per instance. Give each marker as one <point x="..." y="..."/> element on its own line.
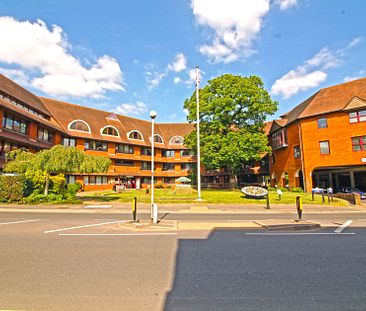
<point x="322" y="123"/>
<point x="9" y="122"/>
<point x="324" y="147"/>
<point x="353" y="117"/>
<point x="362" y="115"/>
<point x="355" y="141"/>
<point x="99" y="180"/>
<point x="23" y="127"/>
<point x="86" y="180"/>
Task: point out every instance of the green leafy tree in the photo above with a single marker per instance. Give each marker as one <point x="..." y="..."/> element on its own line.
<point x="233" y="110"/>
<point x="57" y="160"/>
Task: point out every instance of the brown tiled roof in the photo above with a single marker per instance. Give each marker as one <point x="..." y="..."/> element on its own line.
<point x="28" y="115"/>
<point x="15" y="90"/>
<point x="267" y="127"/>
<point x="327" y="100"/>
<point x="169" y="130"/>
<point x="65" y="113"/>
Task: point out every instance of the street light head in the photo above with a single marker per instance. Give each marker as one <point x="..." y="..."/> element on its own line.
<point x="153" y="114"/>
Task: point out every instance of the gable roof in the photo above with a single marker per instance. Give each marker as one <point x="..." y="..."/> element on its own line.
<point x="97" y="119"/>
<point x="15" y="90"/>
<point x="327" y="100"/>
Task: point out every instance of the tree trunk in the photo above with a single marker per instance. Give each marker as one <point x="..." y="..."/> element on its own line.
<point x="47" y="184"/>
<point x="233" y="183"/>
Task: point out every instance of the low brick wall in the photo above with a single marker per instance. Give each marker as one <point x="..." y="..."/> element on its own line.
<point x="353" y="198"/>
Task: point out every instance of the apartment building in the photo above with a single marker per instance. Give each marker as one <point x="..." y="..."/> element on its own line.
<point x="37" y="123"/>
<point x="322" y="141"/>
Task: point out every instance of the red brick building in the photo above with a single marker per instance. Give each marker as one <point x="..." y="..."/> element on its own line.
<point x="322" y="141"/>
<point x="37" y="123"/>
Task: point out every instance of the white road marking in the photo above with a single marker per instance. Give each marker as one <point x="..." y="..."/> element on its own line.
<point x="18" y="222"/>
<point x="344" y="226"/>
<point x="116" y="234"/>
<point x="85" y="226"/>
<point x="300" y="233"/>
<point x="98" y="206"/>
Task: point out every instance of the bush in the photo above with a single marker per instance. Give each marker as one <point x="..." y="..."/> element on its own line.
<point x="11" y="188"/>
<point x="297" y="190"/>
<point x="73" y="188"/>
<point x="37" y="198"/>
<point x="57" y="183"/>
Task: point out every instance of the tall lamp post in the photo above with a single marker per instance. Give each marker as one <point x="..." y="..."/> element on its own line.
<point x="154" y="208"/>
<point x="198" y="135"/>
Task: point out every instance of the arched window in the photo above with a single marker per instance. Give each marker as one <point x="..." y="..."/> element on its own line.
<point x="158" y="139"/>
<point x="110" y="130"/>
<point x="177" y="140"/>
<point x="79" y="125"/>
<point x="135" y="135"/>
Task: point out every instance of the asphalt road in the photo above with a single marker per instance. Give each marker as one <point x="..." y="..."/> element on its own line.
<point x="57" y="261"/>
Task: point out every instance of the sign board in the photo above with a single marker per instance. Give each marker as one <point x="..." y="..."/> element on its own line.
<point x="254" y="191"/>
<point x="363" y="160"/>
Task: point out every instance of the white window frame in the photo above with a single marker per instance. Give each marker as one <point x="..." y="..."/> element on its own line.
<point x="79" y="120"/>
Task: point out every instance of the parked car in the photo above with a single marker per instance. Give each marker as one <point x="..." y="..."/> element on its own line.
<point x="352" y="190"/>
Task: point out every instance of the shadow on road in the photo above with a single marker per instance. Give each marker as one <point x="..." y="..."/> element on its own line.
<point x="233" y="271"/>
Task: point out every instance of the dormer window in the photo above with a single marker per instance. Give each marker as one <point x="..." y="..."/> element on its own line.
<point x="110" y="131"/>
<point x="79" y="125"/>
<point x="158" y="139"/>
<point x="176" y="140"/>
<point x="279" y="139"/>
<point x="135" y="135"/>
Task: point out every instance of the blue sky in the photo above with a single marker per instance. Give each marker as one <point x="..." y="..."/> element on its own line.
<point x="135" y="56"/>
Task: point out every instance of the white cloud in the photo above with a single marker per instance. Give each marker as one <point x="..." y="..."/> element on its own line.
<point x="179" y="64"/>
<point x="137" y="108"/>
<point x="177" y="80"/>
<point x="17" y="75"/>
<point x="154" y="77"/>
<point x="192" y="76"/>
<point x="354" y="42"/>
<point x="312" y="73"/>
<point x="297" y="80"/>
<point x="325" y="58"/>
<point x="285" y="4"/>
<point x="357" y="75"/>
<point x="36" y="49"/>
<point x="236" y="24"/>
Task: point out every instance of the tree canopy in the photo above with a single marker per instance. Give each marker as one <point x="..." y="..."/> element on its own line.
<point x="58" y="159"/>
<point x="233" y="110"/>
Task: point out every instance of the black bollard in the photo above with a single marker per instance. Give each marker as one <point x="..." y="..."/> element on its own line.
<point x="299" y="206"/>
<point x="267" y="202"/>
<point x="134" y="209"/>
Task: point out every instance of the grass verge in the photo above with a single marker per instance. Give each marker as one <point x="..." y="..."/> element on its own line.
<point x="208" y="196"/>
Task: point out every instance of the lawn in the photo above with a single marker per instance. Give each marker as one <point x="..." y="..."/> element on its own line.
<point x="208" y="196"/>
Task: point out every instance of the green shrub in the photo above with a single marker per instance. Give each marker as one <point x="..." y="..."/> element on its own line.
<point x="11" y="188"/>
<point x="73" y="188"/>
<point x="58" y="183"/>
<point x="297" y="190"/>
<point x="37" y="198"/>
<point x="283" y="189"/>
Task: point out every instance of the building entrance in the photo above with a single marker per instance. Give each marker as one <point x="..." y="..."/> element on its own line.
<point x="127" y="182"/>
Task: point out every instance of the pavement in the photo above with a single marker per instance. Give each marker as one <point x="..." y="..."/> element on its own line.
<point x="286" y="223"/>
